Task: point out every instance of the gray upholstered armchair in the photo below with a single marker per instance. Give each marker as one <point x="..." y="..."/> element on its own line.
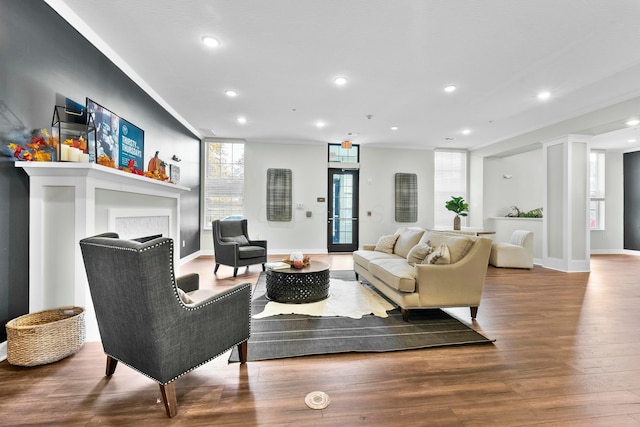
<point x="158" y="325"/>
<point x="233" y="247"/>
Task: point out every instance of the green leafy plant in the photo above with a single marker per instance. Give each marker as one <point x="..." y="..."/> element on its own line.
<point x="457" y="205"/>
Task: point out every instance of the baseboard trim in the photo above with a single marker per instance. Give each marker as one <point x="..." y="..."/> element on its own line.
<point x="614" y="252"/>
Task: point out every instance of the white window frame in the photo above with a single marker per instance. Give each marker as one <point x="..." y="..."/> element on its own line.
<point x="450" y="178"/>
<point x="223" y="189"/>
<point x="597" y="159"/>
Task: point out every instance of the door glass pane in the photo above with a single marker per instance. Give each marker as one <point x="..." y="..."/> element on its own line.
<point x="343" y="208"/>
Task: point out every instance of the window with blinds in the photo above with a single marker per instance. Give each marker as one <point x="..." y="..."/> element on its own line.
<point x="450" y="179"/>
<point x="596" y="190"/>
<point x="224" y="181"/>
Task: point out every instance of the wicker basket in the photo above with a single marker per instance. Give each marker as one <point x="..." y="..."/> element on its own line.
<point x="46" y="336"/>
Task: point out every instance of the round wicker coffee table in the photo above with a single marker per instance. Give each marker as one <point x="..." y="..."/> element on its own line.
<point x="299" y="285"/>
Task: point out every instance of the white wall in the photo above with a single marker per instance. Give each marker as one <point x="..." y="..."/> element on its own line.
<point x="524" y="189"/>
<point x="378" y="167"/>
<point x="309" y="165"/>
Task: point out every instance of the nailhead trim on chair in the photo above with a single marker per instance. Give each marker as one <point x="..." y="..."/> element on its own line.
<point x="185" y="372"/>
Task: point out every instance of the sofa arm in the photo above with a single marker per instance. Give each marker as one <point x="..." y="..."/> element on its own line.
<point x="188" y="282"/>
<point x="368" y="247"/>
<point x="455" y="284"/>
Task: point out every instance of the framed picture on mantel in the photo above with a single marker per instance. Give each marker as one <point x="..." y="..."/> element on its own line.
<point x="116" y="138"/>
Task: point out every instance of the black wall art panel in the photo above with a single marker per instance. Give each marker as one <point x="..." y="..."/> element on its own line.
<point x="406" y="197"/>
<point x="279" y="203"/>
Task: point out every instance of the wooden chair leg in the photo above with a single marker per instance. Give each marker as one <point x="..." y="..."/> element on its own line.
<point x="215" y="270"/>
<point x="405" y="314"/>
<point x="235" y="271"/>
<point x="111" y="366"/>
<point x="263" y="268"/>
<point x="474" y="312"/>
<point x="243" y="350"/>
<point x="169" y="399"/>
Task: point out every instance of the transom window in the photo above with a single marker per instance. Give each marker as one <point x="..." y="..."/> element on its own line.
<point x="337" y="153"/>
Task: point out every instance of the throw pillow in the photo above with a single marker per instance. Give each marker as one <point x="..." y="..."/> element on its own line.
<point x="386" y="243"/>
<point x="240" y="240"/>
<point x="418" y="253"/>
<point x="184" y="297"/>
<point x="440" y="256"/>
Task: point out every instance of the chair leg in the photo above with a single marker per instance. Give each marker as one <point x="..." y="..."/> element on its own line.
<point x="405" y="314"/>
<point x="169" y="399"/>
<point x="243" y="350"/>
<point x="263" y="268"/>
<point x="111" y="366"/>
<point x="474" y="312"/>
<point x="215" y="270"/>
<point x="235" y="271"/>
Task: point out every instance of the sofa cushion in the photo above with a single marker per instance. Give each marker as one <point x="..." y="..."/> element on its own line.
<point x="246" y="252"/>
<point x="395" y="273"/>
<point x="408" y="237"/>
<point x="364" y="258"/>
<point x="458" y="245"/>
<point x="386" y="243"/>
<point x="440" y="255"/>
<point x="418" y="253"/>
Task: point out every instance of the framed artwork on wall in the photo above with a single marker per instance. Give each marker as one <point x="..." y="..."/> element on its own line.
<point x="279" y="202"/>
<point x="406" y="197"/>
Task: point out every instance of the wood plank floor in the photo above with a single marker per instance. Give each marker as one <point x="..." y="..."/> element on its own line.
<point x="567" y="354"/>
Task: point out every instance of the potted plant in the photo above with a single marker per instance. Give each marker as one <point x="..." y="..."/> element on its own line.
<point x="459" y="207"/>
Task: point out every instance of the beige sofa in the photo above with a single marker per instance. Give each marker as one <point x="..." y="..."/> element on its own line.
<point x="413" y="283"/>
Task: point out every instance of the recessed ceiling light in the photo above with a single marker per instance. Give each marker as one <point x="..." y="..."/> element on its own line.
<point x="320" y="124"/>
<point x="466" y="131"/>
<point x="231" y="93"/>
<point x="632" y="140"/>
<point x="394" y="127"/>
<point x="544" y="95"/>
<point x="340" y="81"/>
<point x="450" y="88"/>
<point x="633" y="122"/>
<point x="242" y="120"/>
<point x="210" y="41"/>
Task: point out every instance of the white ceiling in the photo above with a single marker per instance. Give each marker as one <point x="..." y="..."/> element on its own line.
<point x="282" y="56"/>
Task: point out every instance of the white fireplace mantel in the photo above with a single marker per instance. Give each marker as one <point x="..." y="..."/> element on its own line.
<point x="71" y="201"/>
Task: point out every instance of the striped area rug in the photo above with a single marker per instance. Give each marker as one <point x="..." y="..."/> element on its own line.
<point x="291" y="335"/>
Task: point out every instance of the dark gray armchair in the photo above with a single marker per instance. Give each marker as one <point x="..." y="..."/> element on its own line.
<point x="158" y="325"/>
<point x="233" y="247"/>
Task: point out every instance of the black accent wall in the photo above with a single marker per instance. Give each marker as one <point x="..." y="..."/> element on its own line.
<point x="631" y="165"/>
<point x="42" y="59"/>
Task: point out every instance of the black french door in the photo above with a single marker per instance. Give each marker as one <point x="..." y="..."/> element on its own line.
<point x="342" y="215"/>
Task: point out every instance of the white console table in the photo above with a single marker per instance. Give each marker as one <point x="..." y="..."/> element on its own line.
<point x="71" y="201"/>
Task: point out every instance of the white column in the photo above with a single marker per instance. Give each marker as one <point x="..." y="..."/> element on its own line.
<point x="565" y="231"/>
